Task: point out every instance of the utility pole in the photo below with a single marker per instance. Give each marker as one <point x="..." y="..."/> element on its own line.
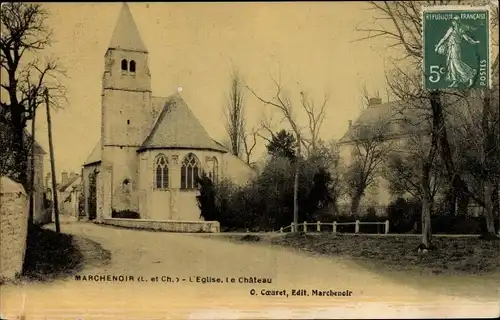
<point x="296" y="187"/>
<point x="55" y="204"/>
<point x="32" y="167"/>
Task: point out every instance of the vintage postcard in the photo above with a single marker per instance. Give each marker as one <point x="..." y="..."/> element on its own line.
<point x="249" y="160"/>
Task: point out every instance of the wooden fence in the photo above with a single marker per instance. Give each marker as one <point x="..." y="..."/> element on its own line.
<point x="334" y="225"/>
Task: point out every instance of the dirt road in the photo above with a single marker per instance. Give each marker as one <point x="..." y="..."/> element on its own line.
<point x="190" y="260"/>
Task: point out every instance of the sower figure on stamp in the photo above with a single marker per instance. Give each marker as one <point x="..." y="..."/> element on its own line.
<point x="450" y="45"/>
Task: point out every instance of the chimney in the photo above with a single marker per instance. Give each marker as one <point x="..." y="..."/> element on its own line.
<point x="375" y="101"/>
<point x="350" y="124"/>
<point x="72" y="175"/>
<point x="64" y="177"/>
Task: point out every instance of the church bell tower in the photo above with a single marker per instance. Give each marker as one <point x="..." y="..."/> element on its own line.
<point x="125" y="114"/>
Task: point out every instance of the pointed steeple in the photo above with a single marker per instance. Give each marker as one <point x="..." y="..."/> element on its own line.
<point x="126" y="36"/>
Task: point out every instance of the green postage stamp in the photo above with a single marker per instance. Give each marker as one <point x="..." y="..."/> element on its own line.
<point x="456" y="47"/>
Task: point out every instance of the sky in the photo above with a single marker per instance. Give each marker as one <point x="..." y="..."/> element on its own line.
<point x="309" y="45"/>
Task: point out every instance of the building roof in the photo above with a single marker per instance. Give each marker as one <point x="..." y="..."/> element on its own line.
<point x="95" y="155"/>
<point x="8" y="185"/>
<point x="71" y="180"/>
<point x="178" y="127"/>
<point x="175" y="127"/>
<point x="38" y="147"/>
<point x="126" y="35"/>
<point x="390" y="112"/>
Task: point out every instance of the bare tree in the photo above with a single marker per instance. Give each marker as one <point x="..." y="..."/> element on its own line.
<point x="425" y="124"/>
<point x="283" y="103"/>
<point x="479" y="163"/>
<point x="414" y="167"/>
<point x="249" y="140"/>
<point x="371" y="145"/>
<point x="315" y="115"/>
<point x="242" y="141"/>
<point x="366" y="97"/>
<point x="404" y="169"/>
<point x="234" y="113"/>
<point x="400" y="22"/>
<point x="490" y="125"/>
<point x="24" y="36"/>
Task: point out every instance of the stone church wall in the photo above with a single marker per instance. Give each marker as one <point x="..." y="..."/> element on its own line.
<point x="126" y="118"/>
<point x="124" y="178"/>
<point x="236" y="170"/>
<point x="13" y="223"/>
<point x="174" y="203"/>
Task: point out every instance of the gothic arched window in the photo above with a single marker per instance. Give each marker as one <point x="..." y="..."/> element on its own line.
<point x="215" y="170"/>
<point x="161" y="172"/>
<point x="132" y="66"/>
<point x="124" y="65"/>
<point x="189" y="171"/>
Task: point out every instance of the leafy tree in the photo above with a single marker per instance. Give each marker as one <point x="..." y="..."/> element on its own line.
<point x="206" y="199"/>
<point x="321" y="193"/>
<point x="327" y="157"/>
<point x="267" y="202"/>
<point x="403" y="214"/>
<point x="282" y="144"/>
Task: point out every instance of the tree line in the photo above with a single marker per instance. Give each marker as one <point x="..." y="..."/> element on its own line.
<point x="438" y="150"/>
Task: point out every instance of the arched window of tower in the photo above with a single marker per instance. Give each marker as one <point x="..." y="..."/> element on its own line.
<point x="124" y="65"/>
<point x="132" y="66"/>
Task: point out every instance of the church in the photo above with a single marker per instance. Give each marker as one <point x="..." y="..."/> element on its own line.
<point x="151" y="148"/>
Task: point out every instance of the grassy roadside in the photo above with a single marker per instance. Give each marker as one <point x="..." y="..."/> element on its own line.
<point x="459" y="266"/>
<point x="453" y="255"/>
<point x="466" y="255"/>
<point x="51" y="256"/>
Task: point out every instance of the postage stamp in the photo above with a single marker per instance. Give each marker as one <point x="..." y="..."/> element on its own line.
<point x="456" y="45"/>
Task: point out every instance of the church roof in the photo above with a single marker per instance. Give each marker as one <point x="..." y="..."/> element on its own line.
<point x="95" y="155"/>
<point x="178" y="127"/>
<point x="126" y="35"/>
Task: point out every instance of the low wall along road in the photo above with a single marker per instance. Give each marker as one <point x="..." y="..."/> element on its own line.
<point x="165" y="225"/>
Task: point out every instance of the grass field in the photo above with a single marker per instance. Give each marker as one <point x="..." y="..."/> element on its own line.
<point x="456" y="255"/>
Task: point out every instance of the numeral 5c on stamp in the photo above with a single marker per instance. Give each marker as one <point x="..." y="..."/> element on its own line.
<point x="456" y="47"/>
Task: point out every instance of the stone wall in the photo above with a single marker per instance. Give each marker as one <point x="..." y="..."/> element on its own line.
<point x="166" y="225"/>
<point x="13" y="227"/>
<point x="41" y="215"/>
